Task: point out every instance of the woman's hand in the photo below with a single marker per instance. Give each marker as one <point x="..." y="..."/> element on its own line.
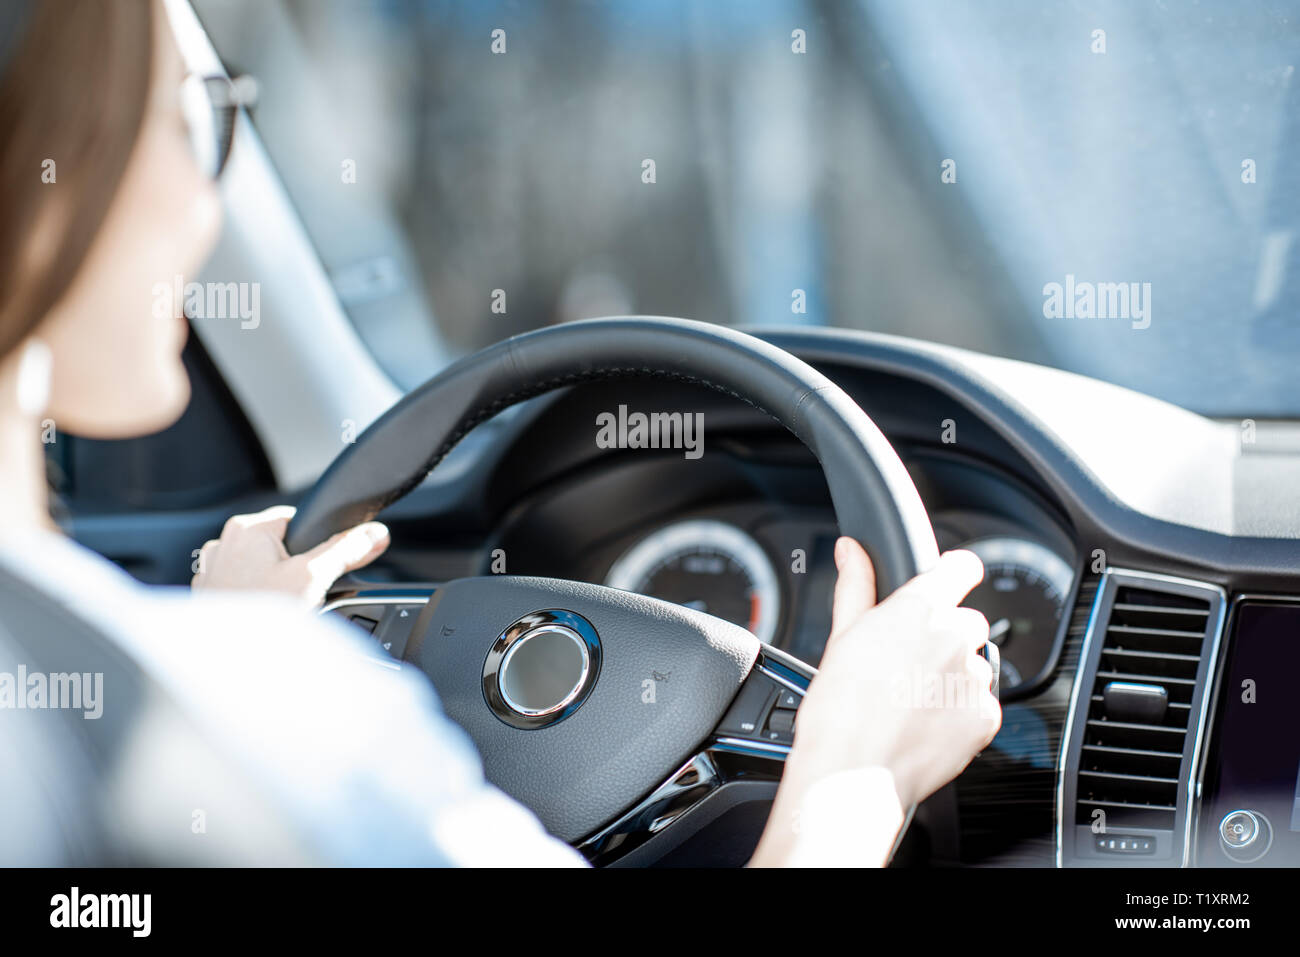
<point x="900" y="705"/>
<point x="250" y="554"/>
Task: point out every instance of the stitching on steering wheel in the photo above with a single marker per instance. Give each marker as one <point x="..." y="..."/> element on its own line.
<point x="468" y="424"/>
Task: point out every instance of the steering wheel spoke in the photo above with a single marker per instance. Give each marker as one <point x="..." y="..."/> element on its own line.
<point x="739" y="766"/>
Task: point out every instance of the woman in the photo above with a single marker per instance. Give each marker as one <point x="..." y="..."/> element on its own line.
<point x="102" y="197"/>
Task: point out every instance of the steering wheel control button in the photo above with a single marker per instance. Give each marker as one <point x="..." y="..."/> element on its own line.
<point x="788" y="701"/>
<point x="368" y="625"/>
<point x="748" y="713"/>
<point x="388" y="622"/>
<point x="763" y="710"/>
<point x="541" y="668"/>
<point x="395" y="630"/>
<point x="1245" y="836"/>
<point x="780" y="727"/>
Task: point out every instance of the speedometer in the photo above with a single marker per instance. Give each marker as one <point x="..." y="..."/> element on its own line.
<point x="1025" y="589"/>
<point x="706" y="565"/>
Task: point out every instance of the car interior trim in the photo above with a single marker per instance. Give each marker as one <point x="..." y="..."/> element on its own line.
<point x="1066" y="790"/>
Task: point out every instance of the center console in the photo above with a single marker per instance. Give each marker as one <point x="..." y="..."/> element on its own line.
<point x="1182" y="744"/>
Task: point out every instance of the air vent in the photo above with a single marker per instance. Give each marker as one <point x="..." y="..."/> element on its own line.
<point x="1136" y="716"/>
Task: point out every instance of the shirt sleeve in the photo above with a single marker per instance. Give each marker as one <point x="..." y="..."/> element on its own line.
<point x="848" y="819"/>
<point x="361" y="754"/>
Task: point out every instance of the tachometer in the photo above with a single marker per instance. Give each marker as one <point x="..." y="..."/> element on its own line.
<point x="707" y="565"/>
<point x="1023" y="595"/>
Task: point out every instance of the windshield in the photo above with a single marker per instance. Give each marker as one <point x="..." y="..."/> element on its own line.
<point x="1112" y="191"/>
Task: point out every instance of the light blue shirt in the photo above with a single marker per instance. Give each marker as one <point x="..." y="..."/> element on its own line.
<point x="358" y="754"/>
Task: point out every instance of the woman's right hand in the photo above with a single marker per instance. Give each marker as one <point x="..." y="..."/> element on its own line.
<point x="250" y="555"/>
<point x="900" y="705"/>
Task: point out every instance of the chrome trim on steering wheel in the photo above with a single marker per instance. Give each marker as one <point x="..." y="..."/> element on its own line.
<point x="533" y="626"/>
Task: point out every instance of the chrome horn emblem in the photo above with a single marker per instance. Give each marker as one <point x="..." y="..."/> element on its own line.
<point x="541" y="668"/>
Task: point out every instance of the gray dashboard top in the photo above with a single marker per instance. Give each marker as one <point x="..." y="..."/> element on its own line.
<point x="1153" y="485"/>
<point x="1157" y="459"/>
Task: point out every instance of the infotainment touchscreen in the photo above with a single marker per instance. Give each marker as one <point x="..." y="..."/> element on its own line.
<point x="1251" y="802"/>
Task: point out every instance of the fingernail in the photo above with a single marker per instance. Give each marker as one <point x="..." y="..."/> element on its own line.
<point x="376" y="531"/>
<point x="839" y="551"/>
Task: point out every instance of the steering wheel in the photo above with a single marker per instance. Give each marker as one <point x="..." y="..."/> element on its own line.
<point x="625" y="723"/>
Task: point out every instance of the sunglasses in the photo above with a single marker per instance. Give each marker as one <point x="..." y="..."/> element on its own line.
<point x="210" y="105"/>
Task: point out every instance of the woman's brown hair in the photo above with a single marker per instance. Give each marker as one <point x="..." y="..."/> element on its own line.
<point x="73" y="97"/>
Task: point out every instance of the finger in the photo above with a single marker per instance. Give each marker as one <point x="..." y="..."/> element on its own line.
<point x="346" y="551"/>
<point x="275" y="519"/>
<point x="967" y="625"/>
<point x="981" y="673"/>
<point x="855" y="588"/>
<point x="945" y="585"/>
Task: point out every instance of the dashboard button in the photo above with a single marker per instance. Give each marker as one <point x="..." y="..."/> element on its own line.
<point x="1239" y="829"/>
<point x="1126" y="844"/>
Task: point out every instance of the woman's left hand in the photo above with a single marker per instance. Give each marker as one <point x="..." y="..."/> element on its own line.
<point x="250" y="555"/>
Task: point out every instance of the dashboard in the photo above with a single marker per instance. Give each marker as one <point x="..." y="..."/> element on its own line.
<point x="754" y="544"/>
<point x="1138" y="596"/>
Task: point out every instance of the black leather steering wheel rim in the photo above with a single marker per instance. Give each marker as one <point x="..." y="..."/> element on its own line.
<point x="874" y="498"/>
